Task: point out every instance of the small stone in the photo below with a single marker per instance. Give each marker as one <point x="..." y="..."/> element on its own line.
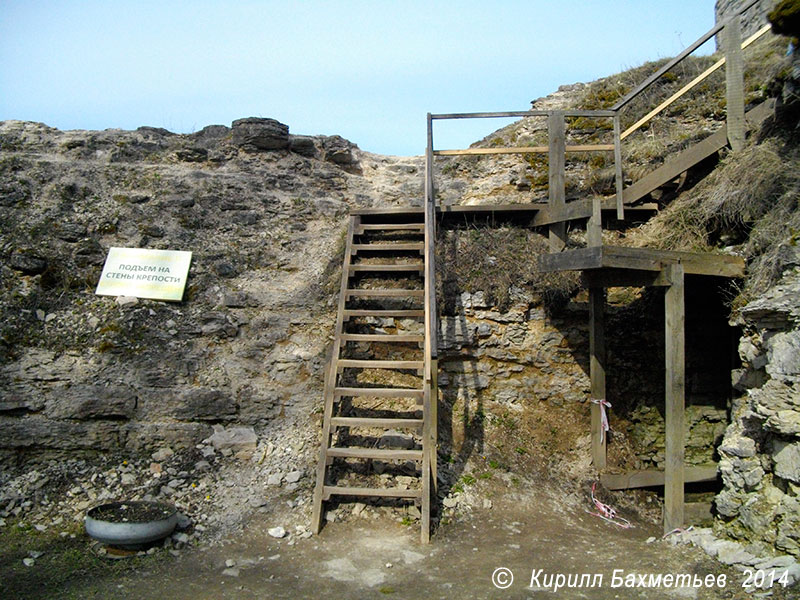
<point x="181" y="538"/>
<point x="28" y="562"/>
<point x="450" y="502"/>
<point x="230" y="563"/>
<point x="231" y="572"/>
<point x="35" y="554"/>
<point x="487" y="503"/>
<point x="126" y="301"/>
<point x="162" y="454"/>
<point x="275" y="479"/>
<point x="202" y="465"/>
<point x="650" y="540"/>
<point x="294" y="476"/>
<point x="184" y="522"/>
<point x="155" y="468"/>
<point x="388" y="565"/>
<point x="127" y="479"/>
<point x="40" y="527"/>
<point x="277" y="532"/>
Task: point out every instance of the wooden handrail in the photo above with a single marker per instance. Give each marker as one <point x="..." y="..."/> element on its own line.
<point x="526" y="113"/>
<point x="690" y="85"/>
<point x="671" y="64"/>
<point x="524" y="150"/>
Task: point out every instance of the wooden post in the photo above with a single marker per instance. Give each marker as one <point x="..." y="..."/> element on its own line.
<point x="618" y="167"/>
<point x="558" y="149"/>
<point x="597" y="371"/>
<point x="734" y="82"/>
<point x="674" y="336"/>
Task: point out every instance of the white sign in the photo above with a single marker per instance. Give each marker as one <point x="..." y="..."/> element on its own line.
<point x="156" y="274"/>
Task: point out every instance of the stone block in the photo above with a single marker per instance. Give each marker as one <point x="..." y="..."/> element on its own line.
<point x="253" y="134"/>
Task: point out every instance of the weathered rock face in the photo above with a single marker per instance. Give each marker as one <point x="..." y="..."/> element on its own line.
<point x="261" y="210"/>
<point x="760" y="454"/>
<point x="752" y="20"/>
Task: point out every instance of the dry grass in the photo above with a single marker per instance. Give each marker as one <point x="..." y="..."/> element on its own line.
<point x="750" y="202"/>
<point x="499" y="261"/>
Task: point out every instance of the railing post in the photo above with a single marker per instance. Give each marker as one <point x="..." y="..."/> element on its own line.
<point x="734" y="81"/>
<point x="556" y="128"/>
<point x="618" y="167"/>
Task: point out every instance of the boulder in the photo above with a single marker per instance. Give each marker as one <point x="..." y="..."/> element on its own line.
<point x="303" y="145"/>
<point x="253" y="134"/>
<point x="235" y="439"/>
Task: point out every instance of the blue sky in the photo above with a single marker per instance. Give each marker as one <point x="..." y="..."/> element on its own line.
<point x="366" y="70"/>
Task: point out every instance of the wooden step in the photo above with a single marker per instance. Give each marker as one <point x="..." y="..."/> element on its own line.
<point x="381" y="337"/>
<point x="387" y="268"/>
<point x="377" y="422"/>
<point x="383" y="313"/>
<point x="379" y="392"/>
<point x="420" y="227"/>
<point x="348" y="363"/>
<point x="375" y="453"/>
<point x="385" y="293"/>
<point x="331" y="490"/>
<point x="404" y="246"/>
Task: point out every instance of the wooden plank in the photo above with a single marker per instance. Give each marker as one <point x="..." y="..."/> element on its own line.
<point x="380" y="268"/>
<point x="382" y="337"/>
<point x="618" y="170"/>
<point x="390" y="227"/>
<point x="378" y="392"/>
<point x="390" y="293"/>
<point x="689" y="157"/>
<point x="376" y="422"/>
<point x="675" y="390"/>
<point x="699" y="79"/>
<point x="393" y="210"/>
<point x="524" y="150"/>
<point x="524" y="113"/>
<point x="597" y="372"/>
<point x="734" y="82"/>
<point x="330" y="382"/>
<point x="331" y="490"/>
<point x="348" y="363"/>
<point x="574" y="260"/>
<point x="642" y="259"/>
<point x="678" y="164"/>
<point x="387" y="247"/>
<point x="556" y="128"/>
<point x="694" y="263"/>
<point x="375" y="453"/>
<point x="384" y="313"/>
<point x="671" y="64"/>
<point x="655" y="478"/>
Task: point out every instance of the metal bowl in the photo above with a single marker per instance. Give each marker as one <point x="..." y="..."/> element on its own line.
<point x="130" y="534"/>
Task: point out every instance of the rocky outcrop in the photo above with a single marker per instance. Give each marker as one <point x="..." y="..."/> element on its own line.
<point x="262" y="212"/>
<point x="760" y="452"/>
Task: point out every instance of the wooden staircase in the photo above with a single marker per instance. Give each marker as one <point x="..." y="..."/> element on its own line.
<point x="379" y="421"/>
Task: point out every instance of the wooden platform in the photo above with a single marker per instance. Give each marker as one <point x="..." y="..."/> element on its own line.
<point x="617" y="258"/>
<point x="531" y="215"/>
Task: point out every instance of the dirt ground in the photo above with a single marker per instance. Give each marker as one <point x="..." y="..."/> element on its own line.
<point x="523" y="531"/>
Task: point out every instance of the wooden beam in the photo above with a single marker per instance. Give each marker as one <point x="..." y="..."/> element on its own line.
<point x="618" y="169"/>
<point x="556" y="127"/>
<point x="525" y="113"/>
<point x="524" y="150"/>
<point x="655" y="478"/>
<point x="597" y="372"/>
<point x="675" y="391"/>
<point x="642" y="259"/>
<point x="734" y="82"/>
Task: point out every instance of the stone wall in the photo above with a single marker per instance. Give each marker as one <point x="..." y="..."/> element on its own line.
<point x="752" y="20"/>
<point x="760" y="465"/>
